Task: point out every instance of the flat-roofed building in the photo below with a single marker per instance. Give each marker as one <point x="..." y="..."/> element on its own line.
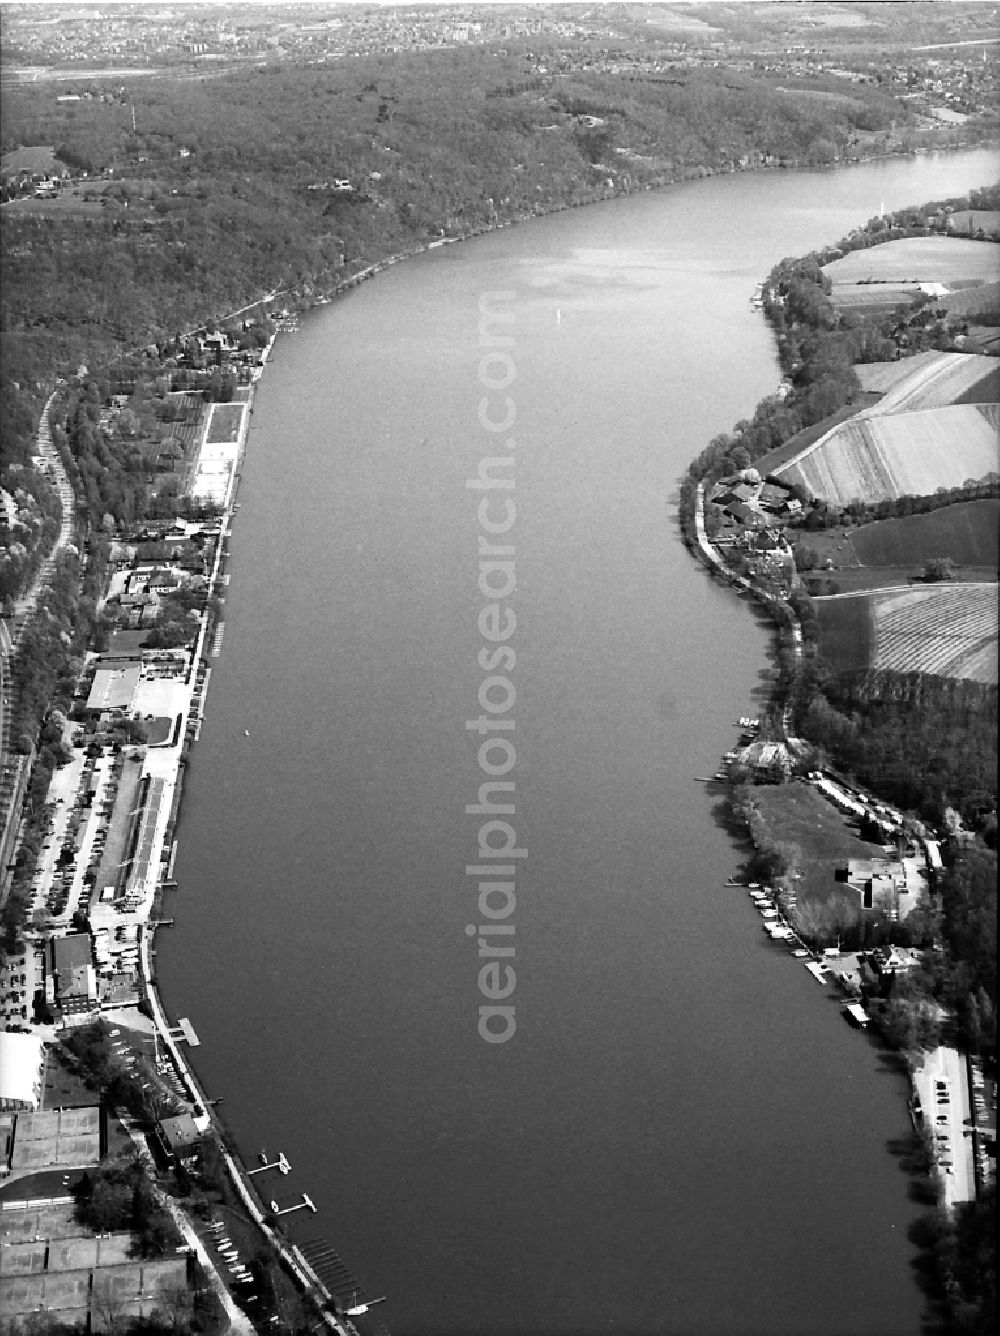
<point x="22" y="1064"/>
<point x="73" y="973"/>
<point x="114" y="688"/>
<point x="179" y="1137"/>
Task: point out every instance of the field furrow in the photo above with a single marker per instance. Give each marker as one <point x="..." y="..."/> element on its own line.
<point x="876" y="458"/>
<point x="934" y="383"/>
<point x="950" y="631"/>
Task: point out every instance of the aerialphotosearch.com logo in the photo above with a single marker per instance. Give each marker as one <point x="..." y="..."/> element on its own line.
<point x="498" y="852"/>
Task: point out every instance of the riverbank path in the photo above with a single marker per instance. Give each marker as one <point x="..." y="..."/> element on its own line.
<point x="237" y="1319"/>
<point x="12" y="628"/>
<point x="711" y="555"/>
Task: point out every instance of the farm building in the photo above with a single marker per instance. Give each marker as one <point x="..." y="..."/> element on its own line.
<point x="765" y="762"/>
<point x="747" y="515"/>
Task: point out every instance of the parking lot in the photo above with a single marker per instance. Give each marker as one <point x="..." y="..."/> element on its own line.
<point x="944" y="1096"/>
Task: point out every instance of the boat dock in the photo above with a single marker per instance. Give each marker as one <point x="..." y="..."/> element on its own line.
<point x="779" y="929"/>
<point x="185" y="1030"/>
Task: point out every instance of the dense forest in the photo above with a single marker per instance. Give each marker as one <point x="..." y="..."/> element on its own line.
<point x="190" y="197"/>
<point x="226" y="187"/>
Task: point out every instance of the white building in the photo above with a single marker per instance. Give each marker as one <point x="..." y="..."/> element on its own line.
<point x="22" y="1063"/>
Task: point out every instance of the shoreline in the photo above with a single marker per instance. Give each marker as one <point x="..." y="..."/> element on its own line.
<point x="287" y="1252"/>
<point x="701" y="173"/>
<point x="288" y="1255"/>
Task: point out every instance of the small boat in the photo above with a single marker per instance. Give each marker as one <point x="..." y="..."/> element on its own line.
<point x="246" y="732"/>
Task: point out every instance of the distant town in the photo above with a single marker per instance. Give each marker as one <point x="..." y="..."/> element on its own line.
<point x="170" y="203"/>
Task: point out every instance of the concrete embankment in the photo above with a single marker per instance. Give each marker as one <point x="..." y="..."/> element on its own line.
<point x="296" y="1266"/>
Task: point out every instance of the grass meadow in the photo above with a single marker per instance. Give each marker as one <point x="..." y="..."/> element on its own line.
<point x="845" y="631"/>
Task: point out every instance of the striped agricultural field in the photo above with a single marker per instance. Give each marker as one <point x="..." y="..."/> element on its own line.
<point x="876" y="458"/>
<point x="947" y="630"/>
<point x="881" y="377"/>
<point x="929" y="380"/>
<point x="953" y="261"/>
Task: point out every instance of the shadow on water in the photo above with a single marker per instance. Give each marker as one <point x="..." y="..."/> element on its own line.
<point x="890" y="1058"/>
<point x="724" y="817"/>
<point x="924" y="1232"/>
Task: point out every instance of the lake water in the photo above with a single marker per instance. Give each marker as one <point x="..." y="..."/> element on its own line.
<point x="682" y="1136"/>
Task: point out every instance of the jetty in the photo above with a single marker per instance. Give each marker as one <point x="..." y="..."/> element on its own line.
<point x="184" y="1030"/>
<point x="281" y="1164"/>
<point x="306" y="1204"/>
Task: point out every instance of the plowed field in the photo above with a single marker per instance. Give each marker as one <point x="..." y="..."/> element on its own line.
<point x="877" y="458"/>
<point x="929" y="380"/>
<point x="948" y="630"/>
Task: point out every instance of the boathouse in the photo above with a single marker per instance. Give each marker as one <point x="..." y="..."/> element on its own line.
<point x="179" y="1137"/>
